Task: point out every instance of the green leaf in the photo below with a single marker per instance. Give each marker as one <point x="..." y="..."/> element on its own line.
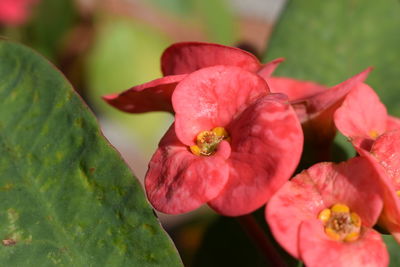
<point x="394" y="249"/>
<point x="329" y="41"/>
<point x="66" y="197"/>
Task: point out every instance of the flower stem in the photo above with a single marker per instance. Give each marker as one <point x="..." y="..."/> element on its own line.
<point x="260" y="239"/>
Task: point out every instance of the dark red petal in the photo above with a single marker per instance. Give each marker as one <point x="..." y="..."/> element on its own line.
<point x="362" y="116"/>
<point x="294" y="89"/>
<point x="317" y="249"/>
<point x="186" y="57"/>
<point x="213" y="97"/>
<point x="266" y="142"/>
<point x="178" y="181"/>
<point x="268" y="68"/>
<point x="151" y="96"/>
<point x="354" y="183"/>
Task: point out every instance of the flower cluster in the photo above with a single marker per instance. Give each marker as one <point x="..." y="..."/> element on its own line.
<point x="238" y="137"/>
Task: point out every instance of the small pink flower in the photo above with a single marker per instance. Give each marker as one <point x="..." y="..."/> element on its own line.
<point x="232" y="145"/>
<point x="362" y="117"/>
<point x="15" y="12"/>
<point x="376" y="136"/>
<point x="324" y="215"/>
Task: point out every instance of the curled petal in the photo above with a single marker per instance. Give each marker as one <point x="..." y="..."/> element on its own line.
<point x="294" y="89"/>
<point x="178" y="181"/>
<point x="362" y="116"/>
<point x="186" y="57"/>
<point x="316" y="112"/>
<point x="266" y="146"/>
<point x="152" y="96"/>
<point x="327" y="98"/>
<point x="353" y="183"/>
<point x="386" y="151"/>
<point x="317" y="249"/>
<point x="212" y="97"/>
<point x="268" y="68"/>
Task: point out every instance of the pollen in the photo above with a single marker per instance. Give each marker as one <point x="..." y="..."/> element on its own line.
<point x="398" y="193"/>
<point x="373" y="134"/>
<point x="207" y="141"/>
<point x="340" y="223"/>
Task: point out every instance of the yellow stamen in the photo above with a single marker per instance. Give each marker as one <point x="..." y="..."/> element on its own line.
<point x="398" y="193"/>
<point x="220" y="131"/>
<point x="355" y="219"/>
<point x="207" y="141"/>
<point x="195" y="150"/>
<point x="324" y="215"/>
<point x="352" y="237"/>
<point x="332" y="234"/>
<point x="340" y="208"/>
<point x="373" y="134"/>
<point x="340" y="224"/>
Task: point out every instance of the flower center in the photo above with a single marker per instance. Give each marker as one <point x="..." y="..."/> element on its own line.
<point x="341" y="224"/>
<point x="207" y="141"/>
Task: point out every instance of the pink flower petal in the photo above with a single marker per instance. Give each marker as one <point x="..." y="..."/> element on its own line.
<point x="178" y="181"/>
<point x="328" y="98"/>
<point x="186" y="57"/>
<point x="268" y="68"/>
<point x="392" y="123"/>
<point x="296" y="201"/>
<point x="362" y="116"/>
<point x="294" y="89"/>
<point x="317" y="249"/>
<point x="316" y="112"/>
<point x="212" y="97"/>
<point x="266" y="146"/>
<point x="386" y="151"/>
<point x="353" y="183"/>
<point x="152" y="96"/>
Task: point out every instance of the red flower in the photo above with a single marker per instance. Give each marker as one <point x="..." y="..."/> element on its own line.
<point x="313" y="103"/>
<point x="177" y="62"/>
<point x="232" y="144"/>
<point x="376" y="136"/>
<point x="363" y="118"/>
<point x="15" y="12"/>
<point x="324" y="215"/>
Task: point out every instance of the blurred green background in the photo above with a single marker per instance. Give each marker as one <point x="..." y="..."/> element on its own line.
<point x="111" y="45"/>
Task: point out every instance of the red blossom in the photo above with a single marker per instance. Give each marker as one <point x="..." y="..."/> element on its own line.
<point x="259" y="151"/>
<point x="313" y="103"/>
<point x="15" y="12"/>
<point x="376" y="136"/>
<point x="324" y="215"/>
<point x="177" y="61"/>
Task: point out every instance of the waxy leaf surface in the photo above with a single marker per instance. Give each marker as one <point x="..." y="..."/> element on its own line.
<point x="66" y="197"/>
